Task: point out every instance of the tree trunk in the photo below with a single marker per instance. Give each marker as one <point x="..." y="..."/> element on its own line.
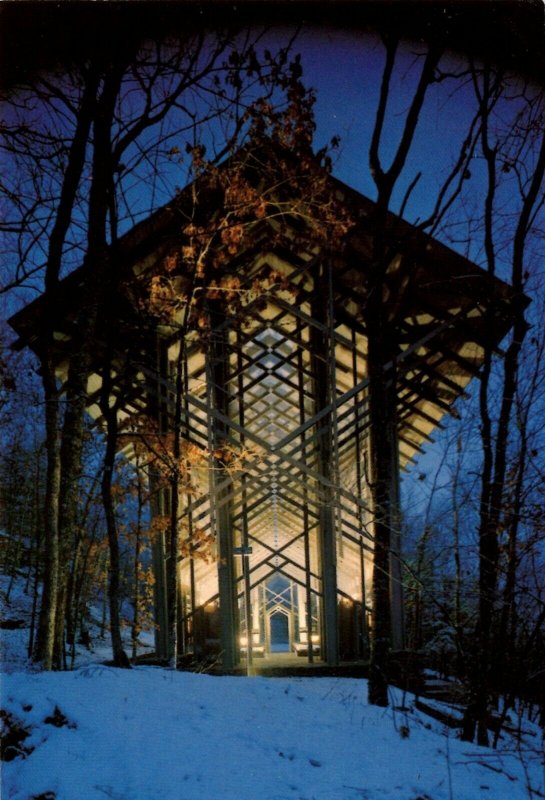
<point x="119" y="656"/>
<point x="100" y="285"/>
<point x="381" y="350"/>
<point x="136" y="563"/>
<point x="36" y="581"/>
<point x="71" y="456"/>
<point x="382" y="471"/>
<point x="495" y="450"/>
<point x="45" y="637"/>
<point x="48" y="613"/>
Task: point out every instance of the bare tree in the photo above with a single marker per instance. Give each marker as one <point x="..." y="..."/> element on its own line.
<point x="491" y="86"/>
<point x="105" y="109"/>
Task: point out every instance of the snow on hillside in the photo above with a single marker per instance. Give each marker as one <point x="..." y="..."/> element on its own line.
<point x="151" y="734"/>
<point x="14" y="643"/>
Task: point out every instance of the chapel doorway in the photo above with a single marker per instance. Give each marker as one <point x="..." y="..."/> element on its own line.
<point x="279" y="632"/>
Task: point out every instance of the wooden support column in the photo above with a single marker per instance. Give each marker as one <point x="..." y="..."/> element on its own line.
<point x="221" y="498"/>
<point x="189" y="613"/>
<point x="307" y="617"/>
<point x="158" y="407"/>
<point x="245" y="538"/>
<point x="396" y="585"/>
<point x="323" y="355"/>
<point x="363" y="645"/>
<point x="160" y="600"/>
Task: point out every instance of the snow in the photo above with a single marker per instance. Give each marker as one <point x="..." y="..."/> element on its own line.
<point x="153" y="734"/>
<point x="14" y="643"/>
<point x="150" y="733"/>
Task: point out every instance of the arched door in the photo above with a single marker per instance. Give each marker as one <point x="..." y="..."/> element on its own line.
<point x="279" y="631"/>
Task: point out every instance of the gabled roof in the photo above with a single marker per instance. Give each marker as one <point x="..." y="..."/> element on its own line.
<point x="440" y="303"/>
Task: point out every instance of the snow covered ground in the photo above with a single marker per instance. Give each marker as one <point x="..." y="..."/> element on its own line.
<point x="151" y="734"/>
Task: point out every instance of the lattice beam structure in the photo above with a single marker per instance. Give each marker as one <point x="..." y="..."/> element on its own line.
<point x="290" y="384"/>
<point x="284" y="385"/>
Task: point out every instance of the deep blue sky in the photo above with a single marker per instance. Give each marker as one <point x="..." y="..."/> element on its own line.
<point x="345" y="69"/>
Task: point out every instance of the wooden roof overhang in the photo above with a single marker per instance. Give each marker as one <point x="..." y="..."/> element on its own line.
<point x="445" y="311"/>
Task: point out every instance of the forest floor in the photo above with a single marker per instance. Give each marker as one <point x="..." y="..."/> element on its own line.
<point x="152" y="734"/>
